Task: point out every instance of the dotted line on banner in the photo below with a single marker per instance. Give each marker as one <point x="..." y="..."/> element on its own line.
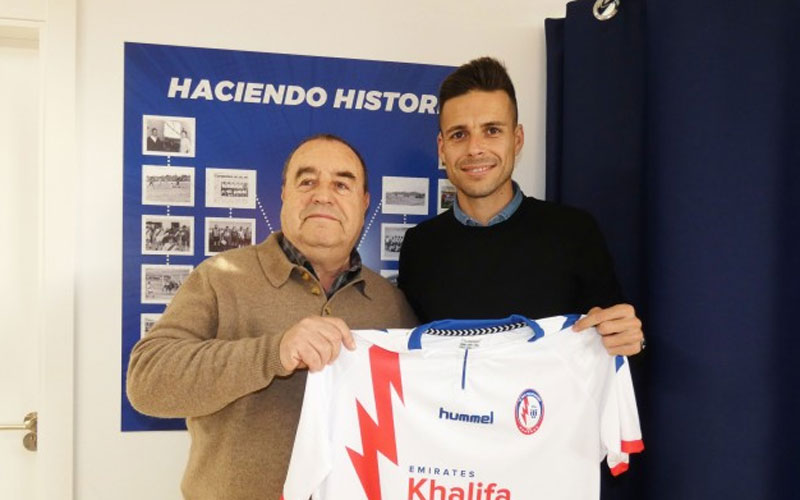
<point x="230" y="212"/>
<point x="264" y="215"/>
<point x="405" y="221"/>
<point x="168" y="212"/>
<point x="169" y="161"/>
<point x="369" y="225"/>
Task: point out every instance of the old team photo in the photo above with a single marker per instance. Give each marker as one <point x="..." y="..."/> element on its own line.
<point x="230" y="188"/>
<point x="167" y="235"/>
<point x="405" y="195"/>
<point x="228" y="233"/>
<point x="162" y="185"/>
<point x="161" y="282"/>
<point x="392" y="239"/>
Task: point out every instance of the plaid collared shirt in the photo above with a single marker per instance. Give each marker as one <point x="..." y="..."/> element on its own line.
<point x="503" y="215"/>
<point x="297" y="258"/>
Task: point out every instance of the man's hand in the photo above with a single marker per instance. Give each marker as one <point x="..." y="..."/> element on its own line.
<point x="621" y="329"/>
<point x="313" y="342"/>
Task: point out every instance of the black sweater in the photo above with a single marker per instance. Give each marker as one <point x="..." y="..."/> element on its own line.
<point x="545" y="260"/>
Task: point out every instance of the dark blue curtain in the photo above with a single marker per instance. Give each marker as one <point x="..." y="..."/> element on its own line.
<point x="677" y="124"/>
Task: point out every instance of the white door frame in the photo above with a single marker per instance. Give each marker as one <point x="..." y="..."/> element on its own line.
<point x="59" y="225"/>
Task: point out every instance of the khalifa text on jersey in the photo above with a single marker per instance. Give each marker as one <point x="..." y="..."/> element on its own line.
<point x="466" y="410"/>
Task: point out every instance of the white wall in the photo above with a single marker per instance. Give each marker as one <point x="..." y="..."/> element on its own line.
<point x="110" y="464"/>
<point x="27" y="10"/>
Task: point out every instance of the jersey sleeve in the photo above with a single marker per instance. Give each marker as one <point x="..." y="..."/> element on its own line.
<point x="619" y="422"/>
<point x="311" y="460"/>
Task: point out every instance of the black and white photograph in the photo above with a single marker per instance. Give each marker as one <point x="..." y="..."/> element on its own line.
<point x="148" y="320"/>
<point x="405" y="195"/>
<point x="168" y="135"/>
<point x="167" y="235"/>
<point x="162" y="185"/>
<point x="228" y="233"/>
<point x="230" y="188"/>
<point x="392" y="239"/>
<point x="391" y="275"/>
<point x="446" y="197"/>
<point x="160" y="282"/>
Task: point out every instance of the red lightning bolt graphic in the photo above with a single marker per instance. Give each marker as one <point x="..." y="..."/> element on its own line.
<point x="385" y="368"/>
<point x="525" y="411"/>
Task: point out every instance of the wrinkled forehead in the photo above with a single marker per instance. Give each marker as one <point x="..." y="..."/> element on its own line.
<point x="323" y="156"/>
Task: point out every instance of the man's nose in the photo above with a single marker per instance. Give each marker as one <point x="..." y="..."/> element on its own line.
<point x="476" y="145"/>
<point x="322" y="193"/>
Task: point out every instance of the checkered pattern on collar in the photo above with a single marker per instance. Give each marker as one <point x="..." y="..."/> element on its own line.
<point x="503" y="215"/>
<point x="297" y="258"/>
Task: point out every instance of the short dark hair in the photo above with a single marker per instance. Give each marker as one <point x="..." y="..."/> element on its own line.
<point x="485" y="73"/>
<point x="326" y="137"/>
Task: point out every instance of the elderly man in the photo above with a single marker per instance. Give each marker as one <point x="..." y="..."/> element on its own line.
<point x="498" y="252"/>
<point x="230" y="351"/>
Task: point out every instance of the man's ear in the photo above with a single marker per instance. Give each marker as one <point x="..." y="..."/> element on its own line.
<point x="519" y="138"/>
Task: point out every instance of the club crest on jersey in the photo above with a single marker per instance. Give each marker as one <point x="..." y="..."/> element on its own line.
<point x="529" y="411"/>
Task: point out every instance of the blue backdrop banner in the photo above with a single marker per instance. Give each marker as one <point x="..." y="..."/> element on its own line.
<point x="206" y="134"/>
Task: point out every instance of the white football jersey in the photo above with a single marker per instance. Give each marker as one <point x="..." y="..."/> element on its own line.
<point x="466" y="410"/>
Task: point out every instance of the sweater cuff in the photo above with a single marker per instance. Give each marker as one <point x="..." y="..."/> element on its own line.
<point x="272" y="360"/>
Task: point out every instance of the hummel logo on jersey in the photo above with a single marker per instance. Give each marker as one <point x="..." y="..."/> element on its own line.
<point x="465" y="417"/>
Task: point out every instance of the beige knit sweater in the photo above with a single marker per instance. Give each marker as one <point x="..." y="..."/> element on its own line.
<point x="213" y="358"/>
